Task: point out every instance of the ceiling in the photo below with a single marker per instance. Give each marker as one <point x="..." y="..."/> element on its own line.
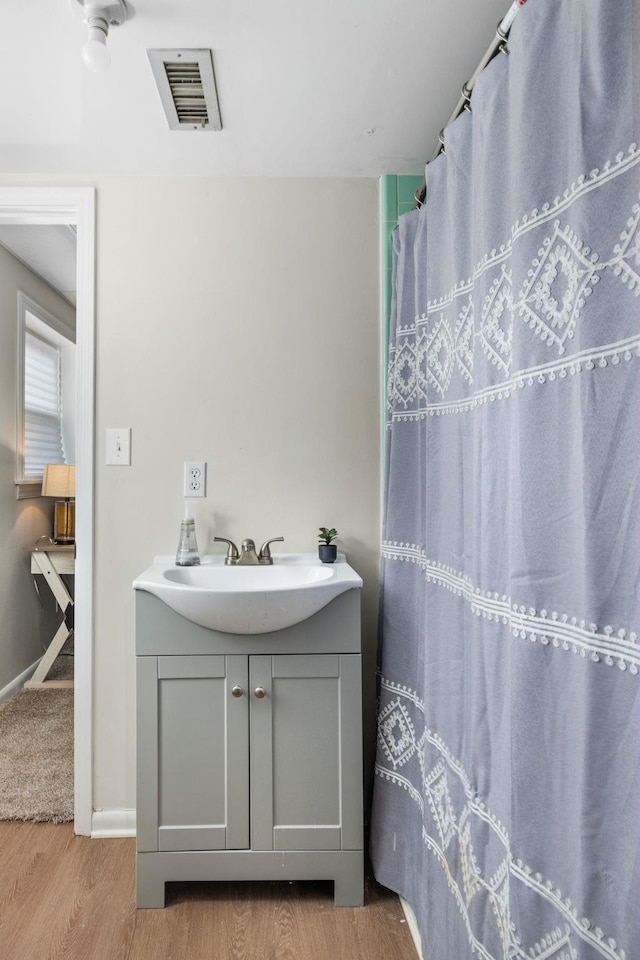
<point x="49" y="251"/>
<point x="340" y="88"/>
<point x="334" y="88"/>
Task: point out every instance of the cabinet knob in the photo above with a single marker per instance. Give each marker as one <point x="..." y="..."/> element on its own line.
<point x="236" y="691"/>
<point x="260" y="692"/>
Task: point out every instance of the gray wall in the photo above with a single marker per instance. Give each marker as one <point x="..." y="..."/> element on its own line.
<point x="237" y="322"/>
<point x="24" y="625"/>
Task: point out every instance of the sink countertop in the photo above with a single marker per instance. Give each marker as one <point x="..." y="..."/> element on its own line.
<point x="248" y="599"/>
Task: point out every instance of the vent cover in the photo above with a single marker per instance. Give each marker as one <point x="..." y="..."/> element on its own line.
<point x="187" y="88"/>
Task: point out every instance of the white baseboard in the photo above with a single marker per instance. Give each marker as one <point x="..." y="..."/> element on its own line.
<point x="113" y="823"/>
<point x="16" y="685"/>
<point x="413" y="926"/>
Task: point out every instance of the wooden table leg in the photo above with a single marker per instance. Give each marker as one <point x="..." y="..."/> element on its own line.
<point x="45" y="566"/>
<point x="54" y="648"/>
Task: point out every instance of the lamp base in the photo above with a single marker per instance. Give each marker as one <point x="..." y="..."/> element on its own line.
<point x="64" y="521"/>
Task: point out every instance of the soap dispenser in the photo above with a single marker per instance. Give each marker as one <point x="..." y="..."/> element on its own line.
<point x="187" y="555"/>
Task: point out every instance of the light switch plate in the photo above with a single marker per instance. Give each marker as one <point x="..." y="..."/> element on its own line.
<point x="118" y="446"/>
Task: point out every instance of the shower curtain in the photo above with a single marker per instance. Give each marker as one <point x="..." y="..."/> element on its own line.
<point x="507" y="791"/>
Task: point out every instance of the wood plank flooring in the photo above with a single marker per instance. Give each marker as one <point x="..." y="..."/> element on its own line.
<point x="64" y="897"/>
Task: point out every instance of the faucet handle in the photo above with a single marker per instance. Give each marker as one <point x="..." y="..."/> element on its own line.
<point x="232" y="552"/>
<point x="265" y="553"/>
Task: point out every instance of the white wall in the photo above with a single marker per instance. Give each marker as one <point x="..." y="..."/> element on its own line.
<point x="24" y="627"/>
<point x="237" y="323"/>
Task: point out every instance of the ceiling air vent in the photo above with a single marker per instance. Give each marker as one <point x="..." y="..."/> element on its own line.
<point x="187" y="88"/>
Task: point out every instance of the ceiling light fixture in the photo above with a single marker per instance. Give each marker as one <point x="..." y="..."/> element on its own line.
<point x="99" y="15"/>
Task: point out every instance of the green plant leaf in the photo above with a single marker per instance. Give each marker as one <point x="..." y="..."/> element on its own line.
<point x="327" y="534"/>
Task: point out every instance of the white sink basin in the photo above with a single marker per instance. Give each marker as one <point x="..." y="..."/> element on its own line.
<point x="248" y="599"/>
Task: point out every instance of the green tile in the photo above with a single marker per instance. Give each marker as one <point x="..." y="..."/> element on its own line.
<point x="388" y="198"/>
<point x="407" y="186"/>
<point x="386" y="245"/>
<point x="385" y="257"/>
<point x="387" y="294"/>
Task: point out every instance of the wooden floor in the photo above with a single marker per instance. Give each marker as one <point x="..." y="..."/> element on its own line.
<point x="64" y="897"/>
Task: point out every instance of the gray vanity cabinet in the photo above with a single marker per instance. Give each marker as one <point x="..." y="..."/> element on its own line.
<point x="303" y="796"/>
<point x="249" y="752"/>
<point x="194" y="752"/>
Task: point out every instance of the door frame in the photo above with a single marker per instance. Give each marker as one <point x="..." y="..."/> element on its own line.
<point x="75" y="206"/>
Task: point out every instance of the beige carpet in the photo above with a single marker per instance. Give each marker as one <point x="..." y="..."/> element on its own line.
<point x="36" y="754"/>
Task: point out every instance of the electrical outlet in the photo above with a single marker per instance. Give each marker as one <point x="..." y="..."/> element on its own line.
<point x="195" y="479"/>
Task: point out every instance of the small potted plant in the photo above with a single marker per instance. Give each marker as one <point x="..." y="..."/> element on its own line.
<point x="327" y="551"/>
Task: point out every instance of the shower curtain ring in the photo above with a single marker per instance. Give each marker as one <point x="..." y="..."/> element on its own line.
<point x="501" y="35"/>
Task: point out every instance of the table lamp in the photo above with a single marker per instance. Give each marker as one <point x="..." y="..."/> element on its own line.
<point x="59" y="480"/>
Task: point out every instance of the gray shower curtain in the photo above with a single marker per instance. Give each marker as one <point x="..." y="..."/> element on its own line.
<point x="507" y="790"/>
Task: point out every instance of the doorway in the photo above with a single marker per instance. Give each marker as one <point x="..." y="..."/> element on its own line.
<point x="75" y="207"/>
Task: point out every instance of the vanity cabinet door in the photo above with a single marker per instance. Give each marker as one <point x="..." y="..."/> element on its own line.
<point x="193" y="782"/>
<point x="306" y="753"/>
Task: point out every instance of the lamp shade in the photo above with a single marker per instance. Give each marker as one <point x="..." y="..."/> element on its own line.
<point x="59" y="480"/>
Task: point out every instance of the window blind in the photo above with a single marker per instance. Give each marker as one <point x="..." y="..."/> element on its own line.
<point x="42" y="406"/>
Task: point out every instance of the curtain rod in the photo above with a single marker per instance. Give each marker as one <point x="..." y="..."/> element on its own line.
<point x="498" y="44"/>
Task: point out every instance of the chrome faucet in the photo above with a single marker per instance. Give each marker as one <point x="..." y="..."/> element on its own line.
<point x="247" y="555"/>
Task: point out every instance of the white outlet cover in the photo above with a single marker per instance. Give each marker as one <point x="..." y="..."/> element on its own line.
<point x="195" y="478"/>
